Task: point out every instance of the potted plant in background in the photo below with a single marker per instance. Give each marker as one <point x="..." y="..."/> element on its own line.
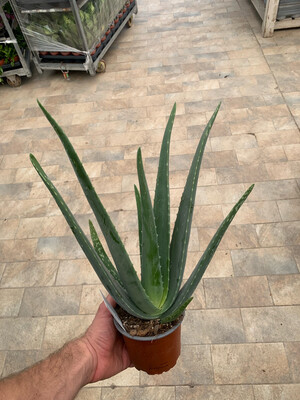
<point x="1" y="55"/>
<point x="1" y="72"/>
<point x="158" y="298"/>
<point x="8" y="52"/>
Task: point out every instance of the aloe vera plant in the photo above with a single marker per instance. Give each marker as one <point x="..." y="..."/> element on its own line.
<point x="159" y="293"/>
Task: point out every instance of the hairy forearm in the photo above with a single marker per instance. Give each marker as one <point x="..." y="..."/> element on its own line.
<point x="58" y="377"/>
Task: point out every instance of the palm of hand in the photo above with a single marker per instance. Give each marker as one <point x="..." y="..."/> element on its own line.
<point x="107" y="345"/>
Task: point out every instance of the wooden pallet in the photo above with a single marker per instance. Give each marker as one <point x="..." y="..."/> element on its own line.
<point x="268" y="14"/>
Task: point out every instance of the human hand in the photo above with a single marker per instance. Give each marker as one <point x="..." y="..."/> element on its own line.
<point x="106" y="345"/>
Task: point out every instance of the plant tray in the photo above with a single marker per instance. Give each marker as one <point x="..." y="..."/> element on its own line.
<point x="8" y="67"/>
<point x="43" y="5"/>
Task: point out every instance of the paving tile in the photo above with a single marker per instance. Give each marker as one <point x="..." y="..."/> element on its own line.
<point x="254" y="212"/>
<point x="60" y="329"/>
<point x="279" y="234"/>
<point x="21" y="333"/>
<point x="76" y="272"/>
<point x="43" y="226"/>
<point x="2" y="361"/>
<point x="50" y="301"/>
<point x="292" y="151"/>
<point x="60" y="248"/>
<point x="219" y="194"/>
<point x="8" y="228"/>
<point x="198" y="302"/>
<point x="246" y="141"/>
<point x="18" y="250"/>
<point x="113" y="168"/>
<point x="23" y="208"/>
<point x="135" y="393"/>
<point x="153" y="149"/>
<point x="187" y="370"/>
<point x="236" y="236"/>
<point x="240" y="291"/>
<point x="263" y="261"/>
<point x="283" y="170"/>
<point x="250" y="363"/>
<point x="17" y="360"/>
<point x="129" y="377"/>
<point x="251" y="127"/>
<point x="216" y="392"/>
<point x="28" y="274"/>
<point x="285" y="289"/>
<point x="2" y="267"/>
<point x="220" y="265"/>
<point x="7" y="176"/>
<point x="293" y="352"/>
<point x="107" y="184"/>
<point x="212" y="326"/>
<point x="272" y="324"/>
<point x="89" y="394"/>
<point x="207" y="216"/>
<point x="275" y="190"/>
<point x="10" y="300"/>
<point x="91" y="298"/>
<point x="276" y="392"/>
<point x="284" y="137"/>
<point x="296" y="250"/>
<point x="102" y="155"/>
<point x="194" y="240"/>
<point x="289" y="209"/>
<point x="245" y="173"/>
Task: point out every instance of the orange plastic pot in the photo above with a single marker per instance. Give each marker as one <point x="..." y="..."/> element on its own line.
<point x="154" y="354"/>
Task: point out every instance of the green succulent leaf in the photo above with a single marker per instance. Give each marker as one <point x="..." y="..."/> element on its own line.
<point x="108" y="280"/>
<point x="140" y="222"/>
<point x="161" y="206"/>
<point x="122" y="261"/>
<point x="182" y="228"/>
<point x="175" y="314"/>
<point x="192" y="282"/>
<point x="150" y="263"/>
<point x="102" y="254"/>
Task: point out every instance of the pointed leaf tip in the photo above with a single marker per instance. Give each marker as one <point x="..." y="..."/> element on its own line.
<point x="40" y="104"/>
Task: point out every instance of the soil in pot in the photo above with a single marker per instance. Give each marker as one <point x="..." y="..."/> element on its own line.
<point x="153" y="347"/>
<point x="144" y="328"/>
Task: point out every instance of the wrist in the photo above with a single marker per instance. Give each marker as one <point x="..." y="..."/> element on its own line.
<point x="86" y="359"/>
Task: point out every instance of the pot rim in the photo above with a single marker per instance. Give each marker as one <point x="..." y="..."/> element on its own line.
<point x="147" y="338"/>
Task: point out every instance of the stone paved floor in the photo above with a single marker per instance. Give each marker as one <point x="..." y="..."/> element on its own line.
<point x="241" y="335"/>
